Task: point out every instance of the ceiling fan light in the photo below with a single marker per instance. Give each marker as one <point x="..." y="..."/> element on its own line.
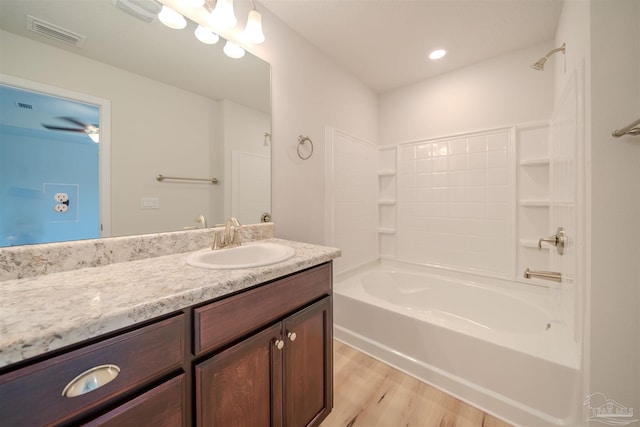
<point x="171" y="18"/>
<point x="232" y="50"/>
<point x="253" y="31"/>
<point x="223" y="15"/>
<point x="95" y="137"/>
<point x="206" y="36"/>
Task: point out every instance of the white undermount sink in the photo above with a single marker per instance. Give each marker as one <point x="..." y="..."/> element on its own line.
<point x="247" y="255"/>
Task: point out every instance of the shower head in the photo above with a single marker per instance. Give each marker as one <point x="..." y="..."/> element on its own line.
<point x="539" y="64"/>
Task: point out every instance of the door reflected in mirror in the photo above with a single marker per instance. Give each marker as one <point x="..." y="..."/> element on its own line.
<point x="177" y="108"/>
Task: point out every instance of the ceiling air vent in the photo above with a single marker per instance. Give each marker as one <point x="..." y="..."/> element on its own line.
<point x="24" y="105"/>
<point x="145" y="10"/>
<point x="50" y="30"/>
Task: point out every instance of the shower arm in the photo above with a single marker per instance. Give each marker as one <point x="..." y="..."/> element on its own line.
<point x="556" y="50"/>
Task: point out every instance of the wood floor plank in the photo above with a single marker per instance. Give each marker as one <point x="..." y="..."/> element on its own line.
<point x="368" y="393"/>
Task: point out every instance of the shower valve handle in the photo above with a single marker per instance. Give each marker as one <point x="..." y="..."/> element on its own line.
<point x="558" y="240"/>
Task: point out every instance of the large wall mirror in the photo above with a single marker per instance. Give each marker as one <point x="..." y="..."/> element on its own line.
<point x="167" y="104"/>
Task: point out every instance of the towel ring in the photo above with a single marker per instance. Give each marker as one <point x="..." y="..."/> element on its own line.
<point x="301" y="141"/>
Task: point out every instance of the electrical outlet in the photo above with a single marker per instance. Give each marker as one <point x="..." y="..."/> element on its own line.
<point x="60" y="208"/>
<point x="61" y="197"/>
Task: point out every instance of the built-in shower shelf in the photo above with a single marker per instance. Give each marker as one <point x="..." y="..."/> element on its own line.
<point x="386" y="230"/>
<point x="541" y="161"/>
<point x="535" y="203"/>
<point x="389" y="202"/>
<point x="387" y="172"/>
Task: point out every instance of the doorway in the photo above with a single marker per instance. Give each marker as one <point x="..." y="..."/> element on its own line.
<point x="54" y="161"/>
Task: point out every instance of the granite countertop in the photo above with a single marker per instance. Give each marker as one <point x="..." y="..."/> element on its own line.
<point x="43" y="313"/>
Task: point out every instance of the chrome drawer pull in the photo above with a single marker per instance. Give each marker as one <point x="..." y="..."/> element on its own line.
<point x="279" y="344"/>
<point x="90" y="380"/>
<point x="291" y="336"/>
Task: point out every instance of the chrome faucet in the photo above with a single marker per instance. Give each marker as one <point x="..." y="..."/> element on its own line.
<point x="554" y="276"/>
<point x="231" y="236"/>
<point x="201" y="220"/>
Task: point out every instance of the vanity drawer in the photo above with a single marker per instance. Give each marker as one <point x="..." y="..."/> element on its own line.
<point x="223" y="321"/>
<point x="32" y="396"/>
<point x="162" y="406"/>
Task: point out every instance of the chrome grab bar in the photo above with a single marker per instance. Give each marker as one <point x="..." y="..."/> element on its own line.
<point x="161" y="178"/>
<point x="545" y="275"/>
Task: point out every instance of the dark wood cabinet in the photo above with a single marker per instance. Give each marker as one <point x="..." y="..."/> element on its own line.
<point x="308" y="365"/>
<point x="234" y="387"/>
<point x="33" y="395"/>
<point x="260" y="357"/>
<point x="280" y="376"/>
<point x="162" y="406"/>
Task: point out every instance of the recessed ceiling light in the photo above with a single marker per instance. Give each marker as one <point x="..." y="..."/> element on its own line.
<point x="437" y="54"/>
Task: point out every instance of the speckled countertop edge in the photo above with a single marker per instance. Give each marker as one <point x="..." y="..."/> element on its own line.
<point x="44" y="313"/>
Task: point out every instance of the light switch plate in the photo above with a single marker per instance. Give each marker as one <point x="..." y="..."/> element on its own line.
<point x="150" y="203"/>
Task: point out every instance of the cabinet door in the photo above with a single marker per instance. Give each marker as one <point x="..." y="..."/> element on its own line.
<point x="234" y="388"/>
<point x="308" y="365"/>
<point x="162" y="406"/>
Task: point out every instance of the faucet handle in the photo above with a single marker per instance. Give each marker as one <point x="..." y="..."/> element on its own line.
<point x="559" y="240"/>
<point x="236" y="237"/>
<point x="218" y="240"/>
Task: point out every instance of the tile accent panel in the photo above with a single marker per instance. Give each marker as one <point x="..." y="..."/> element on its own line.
<point x="456" y="202"/>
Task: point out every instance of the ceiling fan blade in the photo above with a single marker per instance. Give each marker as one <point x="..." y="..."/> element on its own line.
<point x="51" y="127"/>
<point x="74" y="121"/>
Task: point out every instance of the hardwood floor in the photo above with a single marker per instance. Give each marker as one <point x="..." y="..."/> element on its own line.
<point x="368" y="393"/>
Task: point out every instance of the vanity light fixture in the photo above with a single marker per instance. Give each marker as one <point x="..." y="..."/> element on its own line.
<point x="171" y="18"/>
<point x="193" y="3"/>
<point x="223" y="15"/>
<point x="232" y="50"/>
<point x="253" y="30"/>
<point x="219" y="18"/>
<point x="206" y="36"/>
<point x="437" y="54"/>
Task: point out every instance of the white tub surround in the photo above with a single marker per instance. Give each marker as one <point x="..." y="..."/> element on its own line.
<point x="47" y="312"/>
<point x="492" y="343"/>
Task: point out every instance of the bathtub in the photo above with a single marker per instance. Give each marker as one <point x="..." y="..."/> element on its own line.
<point x="491" y="343"/>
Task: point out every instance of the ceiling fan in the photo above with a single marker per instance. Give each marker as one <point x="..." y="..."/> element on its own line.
<point x="93" y="131"/>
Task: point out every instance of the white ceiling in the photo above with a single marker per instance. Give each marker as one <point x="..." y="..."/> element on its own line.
<point x="385" y="42"/>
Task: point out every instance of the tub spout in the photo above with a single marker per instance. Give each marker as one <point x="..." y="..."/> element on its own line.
<point x="545" y="275"/>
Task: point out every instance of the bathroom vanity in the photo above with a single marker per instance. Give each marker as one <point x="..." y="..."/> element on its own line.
<point x="248" y="347"/>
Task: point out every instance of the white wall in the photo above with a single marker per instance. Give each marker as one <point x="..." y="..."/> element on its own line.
<point x="352" y="196"/>
<point x="308" y="92"/>
<point x="243" y="131"/>
<point x="149" y="136"/>
<point x="613" y="352"/>
<point x="498" y="92"/>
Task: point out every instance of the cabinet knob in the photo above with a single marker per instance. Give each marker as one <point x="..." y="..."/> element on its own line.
<point x="291" y="335"/>
<point x="90" y="380"/>
<point x="279" y="344"/>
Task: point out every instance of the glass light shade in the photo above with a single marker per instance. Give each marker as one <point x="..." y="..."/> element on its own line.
<point x="193" y="3"/>
<point x="253" y="31"/>
<point x="232" y="50"/>
<point x="206" y="36"/>
<point x="437" y="54"/>
<point x="171" y="18"/>
<point x="223" y="15"/>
